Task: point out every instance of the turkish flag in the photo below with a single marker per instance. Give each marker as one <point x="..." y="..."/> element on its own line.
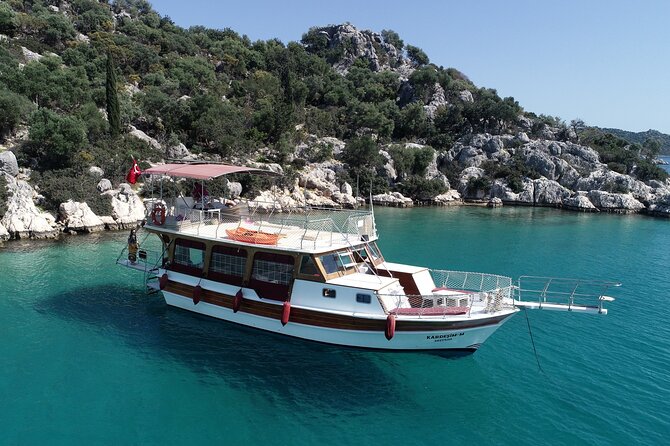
<point x="134" y="173"/>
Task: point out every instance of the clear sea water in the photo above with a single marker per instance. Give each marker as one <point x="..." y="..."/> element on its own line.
<point x="87" y="358"/>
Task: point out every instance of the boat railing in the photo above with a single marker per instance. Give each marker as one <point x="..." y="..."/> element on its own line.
<point x="456" y="293"/>
<point x="300" y="228"/>
<point x="562" y="293"/>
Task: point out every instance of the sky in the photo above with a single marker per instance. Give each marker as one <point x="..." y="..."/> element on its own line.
<point x="605" y="62"/>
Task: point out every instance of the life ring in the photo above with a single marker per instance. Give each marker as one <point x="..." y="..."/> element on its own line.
<point x="158" y="214"/>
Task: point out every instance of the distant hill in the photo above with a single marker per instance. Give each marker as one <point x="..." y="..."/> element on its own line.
<point x="641" y="137"/>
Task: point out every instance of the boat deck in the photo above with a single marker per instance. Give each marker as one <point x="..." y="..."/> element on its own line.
<point x="311" y="231"/>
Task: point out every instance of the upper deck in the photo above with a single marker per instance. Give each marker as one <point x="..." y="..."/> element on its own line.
<point x="310" y="230"/>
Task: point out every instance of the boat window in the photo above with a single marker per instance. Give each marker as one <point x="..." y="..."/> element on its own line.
<point x="363" y="298"/>
<point x="346" y="259"/>
<point x="273" y="268"/>
<point x="189" y="256"/>
<point x="374" y="251"/>
<point x="308" y="267"/>
<point x="360" y="255"/>
<point x="331" y="263"/>
<point x="329" y="292"/>
<point x="228" y="264"/>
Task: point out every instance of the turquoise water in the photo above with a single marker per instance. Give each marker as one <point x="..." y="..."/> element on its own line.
<point x="667" y="160"/>
<point x="87" y="357"/>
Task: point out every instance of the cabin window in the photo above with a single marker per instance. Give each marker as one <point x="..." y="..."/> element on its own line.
<point x="331" y="262"/>
<point x="228" y="264"/>
<point x="308" y="267"/>
<point x="329" y="292"/>
<point x="363" y="298"/>
<point x="189" y="256"/>
<point x="346" y="259"/>
<point x="273" y="268"/>
<point x="272" y="275"/>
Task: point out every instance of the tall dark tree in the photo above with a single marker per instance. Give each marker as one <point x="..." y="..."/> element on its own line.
<point x="113" y="109"/>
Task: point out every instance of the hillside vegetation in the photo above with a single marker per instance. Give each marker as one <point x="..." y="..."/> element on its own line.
<point x="78" y="77"/>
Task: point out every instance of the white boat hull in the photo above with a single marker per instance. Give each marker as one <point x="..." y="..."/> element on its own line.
<point x="463" y="339"/>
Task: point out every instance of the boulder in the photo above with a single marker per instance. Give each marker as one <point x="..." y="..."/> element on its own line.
<point x="96" y="171"/>
<point x="494" y="202"/>
<point x="448" y="198"/>
<point x="660" y="205"/>
<point x="104" y="185"/>
<point x="346" y="200"/>
<point x="318" y="177"/>
<point x="612" y="202"/>
<point x="579" y="202"/>
<point x="139" y="134"/>
<point x="394" y="199"/>
<point x="30" y="56"/>
<point x="234" y="189"/>
<point x="23" y="219"/>
<point x="127" y="207"/>
<point x="347" y="189"/>
<point x="8" y="163"/>
<point x="78" y="217"/>
<point x="178" y="151"/>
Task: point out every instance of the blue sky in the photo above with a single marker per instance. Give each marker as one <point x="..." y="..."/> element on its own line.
<point x="606" y="62"/>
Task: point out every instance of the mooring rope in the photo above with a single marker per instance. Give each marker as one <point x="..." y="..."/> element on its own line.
<point x="530" y="332"/>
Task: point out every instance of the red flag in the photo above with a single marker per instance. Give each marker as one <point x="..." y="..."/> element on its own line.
<point x="134" y="173"/>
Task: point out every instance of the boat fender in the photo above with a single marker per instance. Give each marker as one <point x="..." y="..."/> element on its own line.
<point x="286" y="312"/>
<point x="197" y="293"/>
<point x="162" y="281"/>
<point x="390" y="327"/>
<point x="237" y="301"/>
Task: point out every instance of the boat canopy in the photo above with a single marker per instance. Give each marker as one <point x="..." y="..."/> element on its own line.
<point x="203" y="171"/>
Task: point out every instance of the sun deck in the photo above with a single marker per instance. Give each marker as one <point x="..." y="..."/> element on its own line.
<point x="306" y="230"/>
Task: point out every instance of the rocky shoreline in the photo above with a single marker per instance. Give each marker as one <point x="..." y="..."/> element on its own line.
<point x="572" y="178"/>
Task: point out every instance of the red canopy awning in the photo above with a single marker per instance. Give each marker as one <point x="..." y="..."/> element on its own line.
<point x="203" y="171"/>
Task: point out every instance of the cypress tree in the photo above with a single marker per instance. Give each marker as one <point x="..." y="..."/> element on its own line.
<point x="113" y="111"/>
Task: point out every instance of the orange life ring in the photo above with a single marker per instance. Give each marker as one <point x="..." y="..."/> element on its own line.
<point x="158" y="214"/>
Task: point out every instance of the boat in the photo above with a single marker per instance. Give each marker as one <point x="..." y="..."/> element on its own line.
<point x="319" y="275"/>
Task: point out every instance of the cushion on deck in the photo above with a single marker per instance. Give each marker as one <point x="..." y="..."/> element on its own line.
<point x="434" y="311"/>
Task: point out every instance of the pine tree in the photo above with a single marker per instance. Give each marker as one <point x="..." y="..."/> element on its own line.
<point x="113" y="111"/>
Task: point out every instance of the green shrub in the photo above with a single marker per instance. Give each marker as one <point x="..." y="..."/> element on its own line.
<point x="14" y="109"/>
<point x="419" y="188"/>
<point x="59" y="186"/>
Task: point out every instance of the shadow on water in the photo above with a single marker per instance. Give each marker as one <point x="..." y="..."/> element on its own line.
<point x="272" y="365"/>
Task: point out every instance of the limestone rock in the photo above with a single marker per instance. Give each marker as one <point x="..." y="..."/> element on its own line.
<point x="23" y="219"/>
<point x="355" y="44"/>
<point x="660" y="205"/>
<point x="394" y="199"/>
<point x="466" y="96"/>
<point x="437" y="100"/>
<point x="234" y="189"/>
<point x="580" y="202"/>
<point x="139" y="134"/>
<point x="8" y="163"/>
<point x="178" y="151"/>
<point x="30" y="56"/>
<point x="606" y="201"/>
<point x="78" y="217"/>
<point x="318" y="177"/>
<point x="450" y="197"/>
<point x="96" y="171"/>
<point x="346" y="200"/>
<point x="347" y="189"/>
<point x="494" y="202"/>
<point x="4" y="234"/>
<point x="104" y="185"/>
<point x="127" y="207"/>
